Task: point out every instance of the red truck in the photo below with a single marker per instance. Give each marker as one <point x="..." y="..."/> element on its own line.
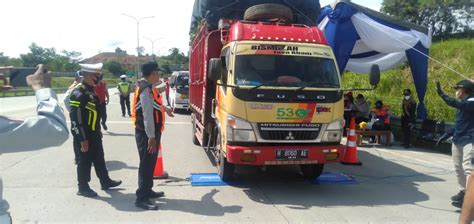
<point x="266" y="91"/>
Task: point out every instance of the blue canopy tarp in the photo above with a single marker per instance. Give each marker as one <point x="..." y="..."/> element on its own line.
<point x="361" y="37"/>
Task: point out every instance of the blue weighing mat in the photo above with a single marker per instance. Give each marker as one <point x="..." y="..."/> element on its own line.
<point x="208" y="179"/>
<point x="334" y="178"/>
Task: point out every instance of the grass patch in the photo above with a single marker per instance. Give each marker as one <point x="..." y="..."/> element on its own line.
<point x="57" y="83"/>
<point x="457" y="54"/>
<point x="64" y="82"/>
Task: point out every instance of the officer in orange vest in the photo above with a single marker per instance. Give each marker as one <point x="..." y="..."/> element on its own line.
<point x="148" y="115"/>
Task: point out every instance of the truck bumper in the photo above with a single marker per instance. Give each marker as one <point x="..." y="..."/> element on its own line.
<point x="184" y="106"/>
<point x="266" y="155"/>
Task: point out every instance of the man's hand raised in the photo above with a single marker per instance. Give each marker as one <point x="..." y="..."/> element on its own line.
<point x="439" y="89"/>
<point x="40" y="79"/>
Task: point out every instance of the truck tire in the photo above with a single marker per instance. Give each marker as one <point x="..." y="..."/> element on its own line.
<point x="224" y="168"/>
<point x="312" y="171"/>
<point x="195" y="139"/>
<point x="269" y="12"/>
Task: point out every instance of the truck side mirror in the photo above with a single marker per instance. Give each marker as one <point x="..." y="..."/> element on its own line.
<point x="215" y="69"/>
<point x="374" y="75"/>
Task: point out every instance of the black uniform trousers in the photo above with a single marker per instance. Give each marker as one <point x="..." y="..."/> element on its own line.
<point x="406" y="128"/>
<point x="125" y="101"/>
<point x="147" y="164"/>
<point x="102" y="109"/>
<point x="94" y="155"/>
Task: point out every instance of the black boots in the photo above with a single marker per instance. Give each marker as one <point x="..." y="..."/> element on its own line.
<point x="110" y="184"/>
<point x="157" y="194"/>
<point x="458" y="199"/>
<point x="146" y="204"/>
<point x="87" y="192"/>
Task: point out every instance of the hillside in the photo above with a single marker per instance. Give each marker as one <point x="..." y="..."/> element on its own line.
<point x="457" y="54"/>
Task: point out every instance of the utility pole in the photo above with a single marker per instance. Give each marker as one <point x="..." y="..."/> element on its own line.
<point x="153" y="45"/>
<point x="138" y="37"/>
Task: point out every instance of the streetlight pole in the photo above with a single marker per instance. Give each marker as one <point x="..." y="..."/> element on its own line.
<point x="138" y="37"/>
<point x="152" y="44"/>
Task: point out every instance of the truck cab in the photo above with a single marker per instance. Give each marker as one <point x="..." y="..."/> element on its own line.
<point x="269" y="93"/>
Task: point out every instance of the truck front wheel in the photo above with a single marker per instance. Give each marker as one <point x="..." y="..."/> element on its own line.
<point x="224" y="168"/>
<point x="312" y="171"/>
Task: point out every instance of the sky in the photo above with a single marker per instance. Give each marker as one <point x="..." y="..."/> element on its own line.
<point x="94" y="26"/>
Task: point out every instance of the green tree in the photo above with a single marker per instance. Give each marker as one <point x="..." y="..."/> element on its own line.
<point x="65" y="61"/>
<point x="141" y="50"/>
<point x="118" y="50"/>
<point x="38" y="55"/>
<point x="175" y="59"/>
<point x="443" y="17"/>
<point x="114" y="67"/>
<point x="7" y="61"/>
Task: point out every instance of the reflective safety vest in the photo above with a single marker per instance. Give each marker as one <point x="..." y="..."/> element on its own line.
<point x="124" y="88"/>
<point x="158" y="109"/>
<point x="85" y="118"/>
<point x="382" y="114"/>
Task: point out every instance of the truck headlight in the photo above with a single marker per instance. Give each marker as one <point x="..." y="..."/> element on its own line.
<point x="333" y="132"/>
<point x="239" y="130"/>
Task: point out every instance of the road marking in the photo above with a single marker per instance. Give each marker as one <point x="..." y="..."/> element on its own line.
<point x="411" y="158"/>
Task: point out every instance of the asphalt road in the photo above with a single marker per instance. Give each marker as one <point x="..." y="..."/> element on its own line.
<point x="395" y="185"/>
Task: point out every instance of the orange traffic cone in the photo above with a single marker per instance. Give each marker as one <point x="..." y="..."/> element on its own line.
<point x="159" y="172"/>
<point x="350" y="157"/>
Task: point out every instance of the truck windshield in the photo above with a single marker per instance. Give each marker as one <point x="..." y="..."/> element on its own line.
<point x="285" y="71"/>
<point x="182" y="81"/>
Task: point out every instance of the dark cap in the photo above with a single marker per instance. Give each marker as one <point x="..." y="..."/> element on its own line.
<point x="149" y="67"/>
<point x="406" y="92"/>
<point x="378" y="103"/>
<point x="465" y="84"/>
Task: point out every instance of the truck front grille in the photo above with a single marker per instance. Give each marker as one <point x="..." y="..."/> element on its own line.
<point x="286" y="132"/>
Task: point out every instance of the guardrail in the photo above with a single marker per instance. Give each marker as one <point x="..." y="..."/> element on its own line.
<point x="27" y="92"/>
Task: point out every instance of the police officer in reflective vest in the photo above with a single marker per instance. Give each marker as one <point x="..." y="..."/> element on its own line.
<point x="148" y="116"/>
<point x="124" y="90"/>
<point x="85" y="128"/>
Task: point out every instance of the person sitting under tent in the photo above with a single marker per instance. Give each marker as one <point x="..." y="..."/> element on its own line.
<point x="349" y="108"/>
<point x="362" y="109"/>
<point x="380" y="117"/>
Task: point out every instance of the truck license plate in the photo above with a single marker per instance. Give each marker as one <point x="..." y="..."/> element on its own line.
<point x="283" y="154"/>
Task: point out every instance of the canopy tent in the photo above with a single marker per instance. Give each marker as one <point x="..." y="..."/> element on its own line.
<point x="361" y="37"/>
<point x="304" y="11"/>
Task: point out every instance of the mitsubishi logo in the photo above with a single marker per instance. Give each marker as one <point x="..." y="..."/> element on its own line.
<point x="290" y="136"/>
